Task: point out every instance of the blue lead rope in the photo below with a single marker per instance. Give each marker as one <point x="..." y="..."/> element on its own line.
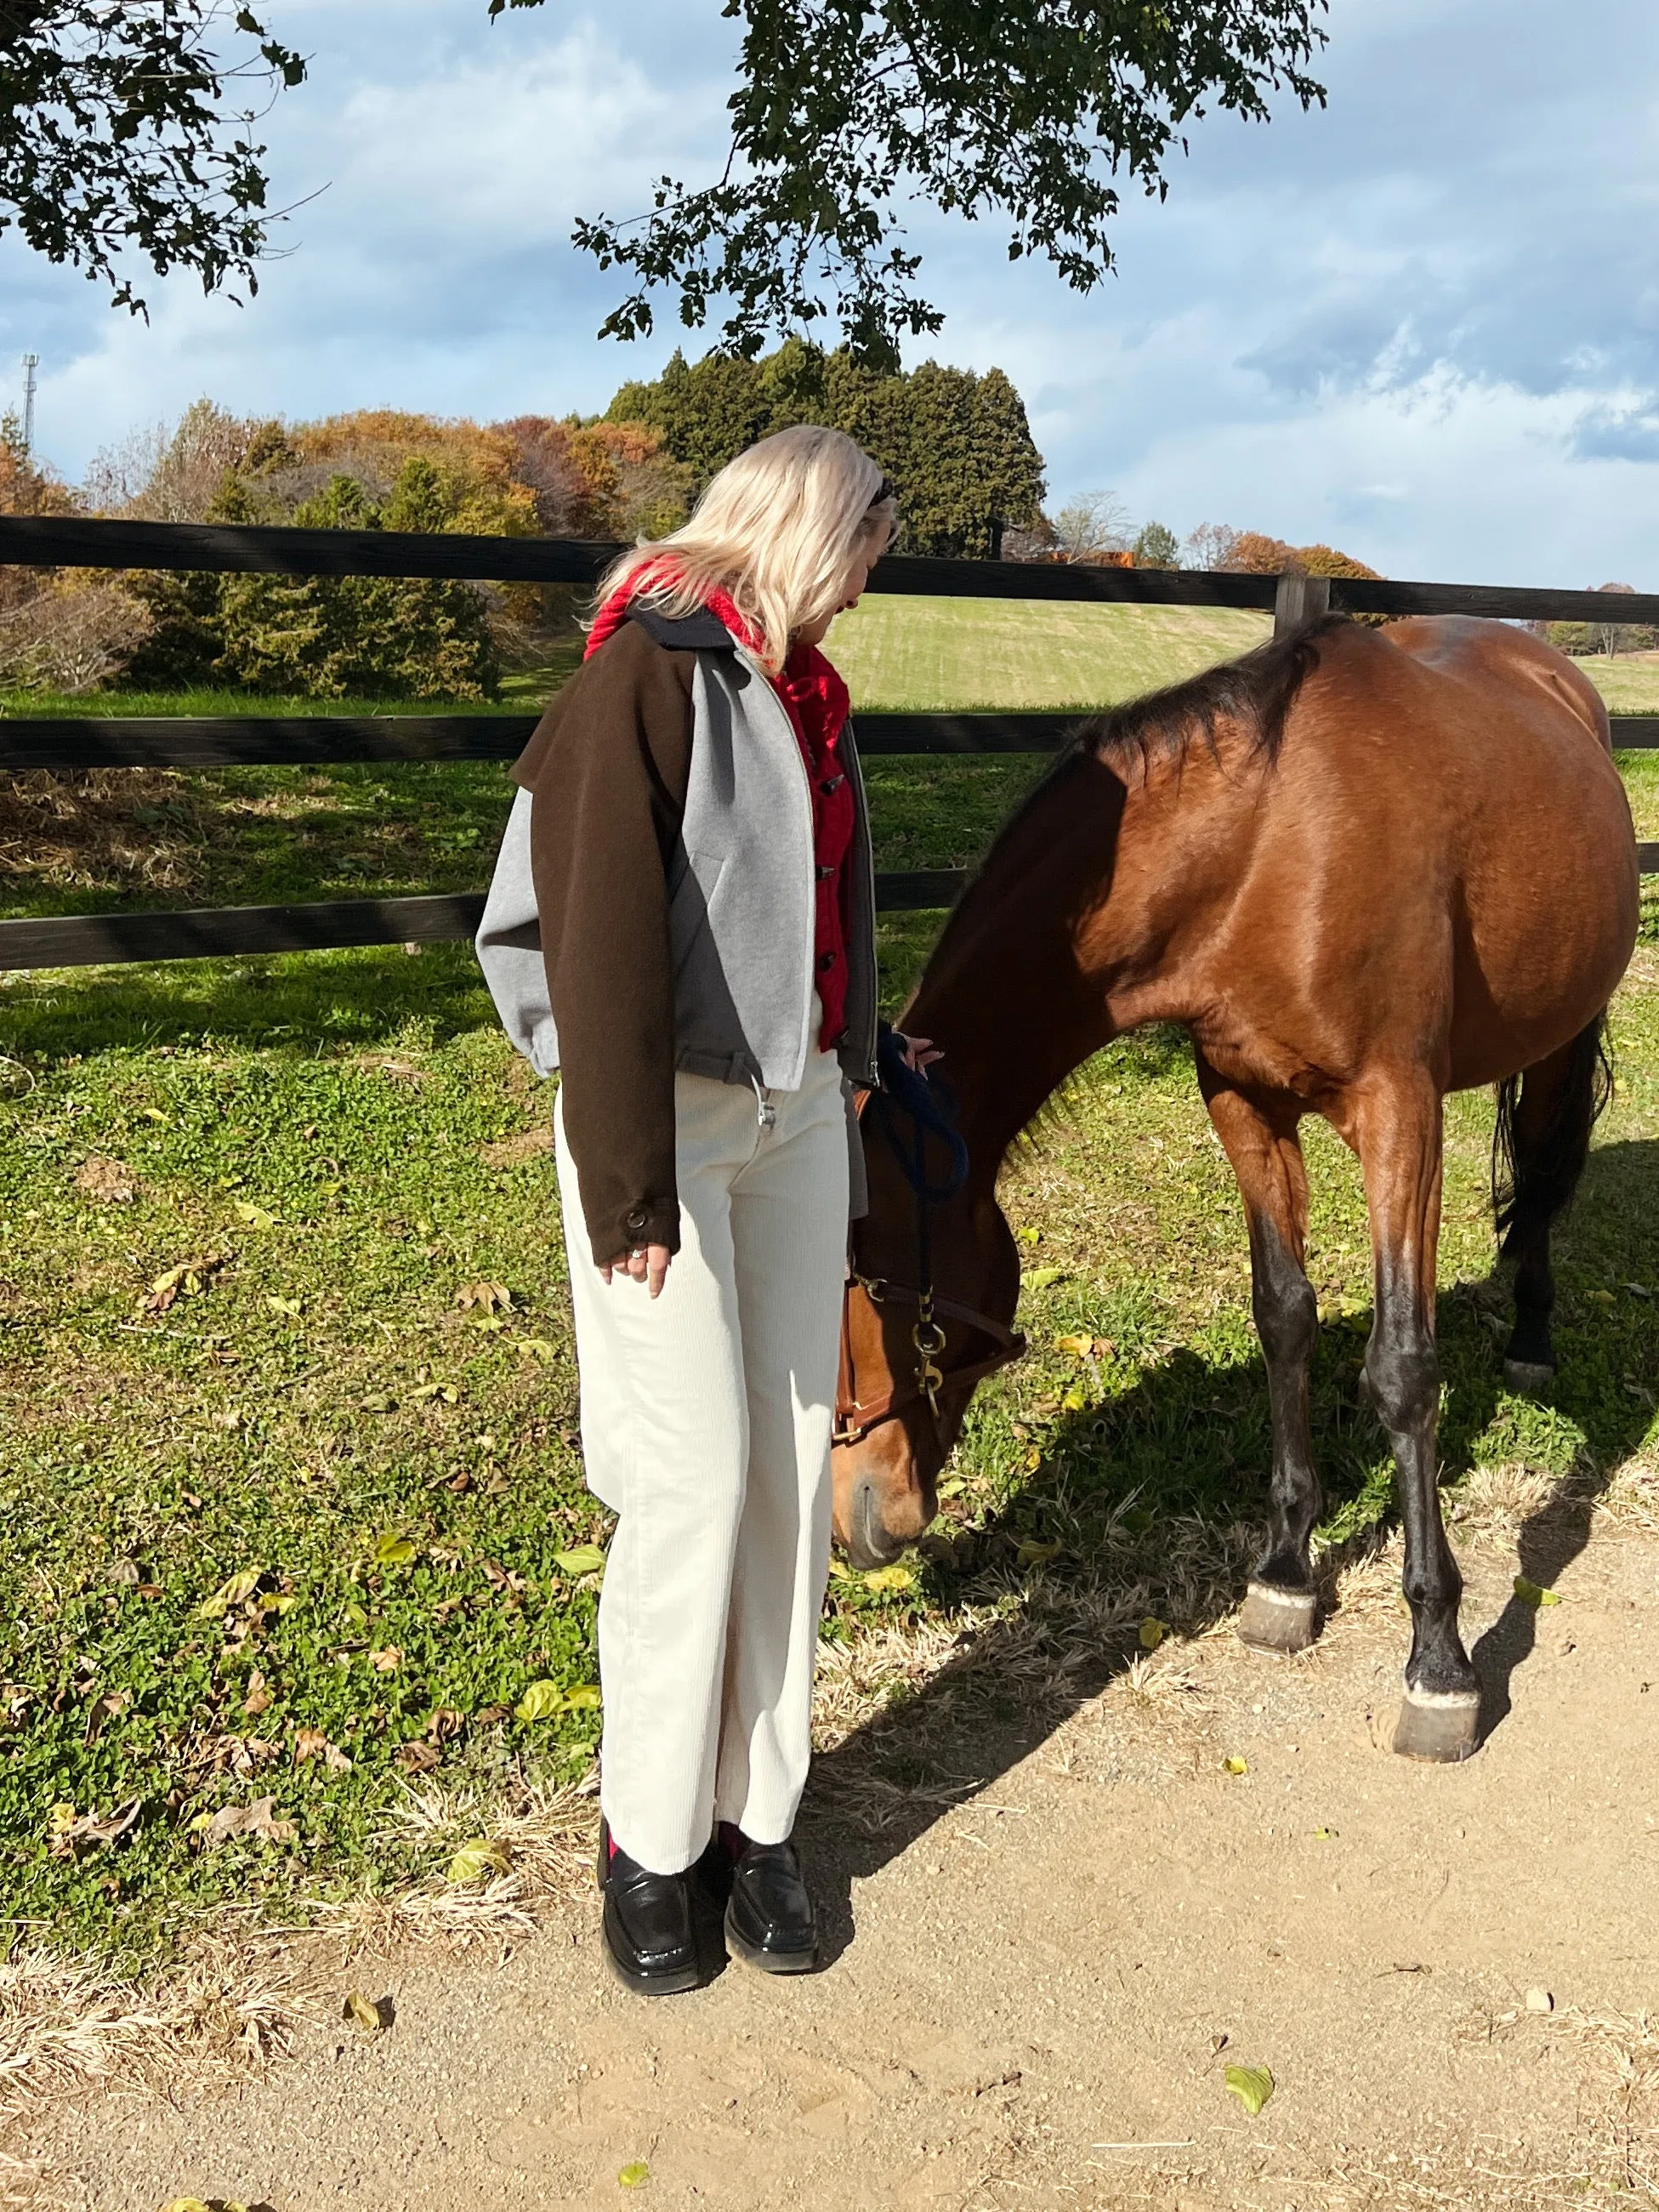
<point x="931" y="1106"/>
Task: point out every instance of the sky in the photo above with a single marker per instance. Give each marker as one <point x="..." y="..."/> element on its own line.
<point x="1421" y="324"/>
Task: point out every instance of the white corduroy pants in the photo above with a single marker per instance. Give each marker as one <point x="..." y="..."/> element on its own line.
<point x="706" y="1419"/>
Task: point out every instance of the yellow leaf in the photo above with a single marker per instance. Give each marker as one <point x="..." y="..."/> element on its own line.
<point x="154" y="1114"/>
<point x="255" y="1216"/>
<point x="1531" y="1593"/>
<point x="1234" y="1766"/>
<point x="1251" y="2085"/>
<point x="584" y="1698"/>
<point x="1074" y="1401"/>
<point x="1034" y="1554"/>
<point x="394" y="1551"/>
<point x="236" y="1591"/>
<point x="1040" y="1278"/>
<point x="61" y="1818"/>
<point x="536" y="1348"/>
<point x="634" y="2176"/>
<point x="1152" y="1633"/>
<point x="446" y="1391"/>
<point x="182" y="2203"/>
<point x="291" y="1307"/>
<point x="485" y="1296"/>
<point x="362" y="2014"/>
<point x="480" y="1857"/>
<point x="580" y="1559"/>
<point x="891" y="1579"/>
<point x="1079" y="1347"/>
<point x="539" y="1702"/>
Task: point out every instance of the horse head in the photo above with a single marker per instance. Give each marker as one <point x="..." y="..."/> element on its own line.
<point x="929" y="1314"/>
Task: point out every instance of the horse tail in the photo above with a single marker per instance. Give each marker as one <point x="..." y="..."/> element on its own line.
<point x="1535" y="1172"/>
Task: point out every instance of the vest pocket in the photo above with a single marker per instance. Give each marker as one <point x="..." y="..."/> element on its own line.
<point x="689" y="928"/>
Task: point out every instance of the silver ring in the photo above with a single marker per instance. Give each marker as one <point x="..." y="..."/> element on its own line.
<point x="638" y="1252"/>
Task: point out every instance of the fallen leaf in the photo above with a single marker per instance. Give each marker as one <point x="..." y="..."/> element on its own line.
<point x="387" y="1660"/>
<point x="91" y="1828"/>
<point x="1027" y="1235"/>
<point x="1079" y="1347"/>
<point x="258" y="1700"/>
<point x="446" y="1391"/>
<point x="539" y="1702"/>
<point x="485" y="1297"/>
<point x="291" y="1307"/>
<point x="394" y="1551"/>
<point x="1234" y="1766"/>
<point x="1152" y="1633"/>
<point x="112" y="1182"/>
<point x="1040" y="1278"/>
<point x="580" y="1559"/>
<point x="476" y="1858"/>
<point x="586" y="1698"/>
<point x="308" y="1743"/>
<point x="1031" y="1554"/>
<point x="257" y="1819"/>
<point x="634" y="2176"/>
<point x="103" y="1709"/>
<point x="1325" y="1835"/>
<point x="189" y="1279"/>
<point x="1074" y="1401"/>
<point x="445" y="1724"/>
<point x="891" y="1579"/>
<point x="418" y="1758"/>
<point x="236" y="1591"/>
<point x="362" y="2014"/>
<point x="537" y="1347"/>
<point x="187" y="2204"/>
<point x="1251" y="2085"/>
<point x="1530" y="1593"/>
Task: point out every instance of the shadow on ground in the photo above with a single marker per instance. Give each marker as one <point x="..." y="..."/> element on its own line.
<point x="1192" y="1438"/>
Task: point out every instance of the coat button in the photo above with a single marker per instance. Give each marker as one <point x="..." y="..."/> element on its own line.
<point x="636" y="1220"/>
<point x="832" y="784"/>
<point x="826" y="960"/>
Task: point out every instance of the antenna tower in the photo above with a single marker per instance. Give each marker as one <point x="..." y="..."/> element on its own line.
<point x="31" y="362"/>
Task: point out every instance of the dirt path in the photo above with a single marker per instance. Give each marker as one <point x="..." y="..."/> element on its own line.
<point x="1037" y="1981"/>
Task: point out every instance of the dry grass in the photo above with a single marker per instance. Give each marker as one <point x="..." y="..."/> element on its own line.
<point x="125" y="826"/>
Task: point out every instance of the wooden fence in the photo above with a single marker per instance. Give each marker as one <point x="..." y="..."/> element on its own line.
<point x="67" y="744"/>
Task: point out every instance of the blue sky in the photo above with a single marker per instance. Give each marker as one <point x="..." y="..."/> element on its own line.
<point x="1423" y="324"/>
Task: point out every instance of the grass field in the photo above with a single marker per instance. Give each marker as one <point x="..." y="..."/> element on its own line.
<point x="297" y="1601"/>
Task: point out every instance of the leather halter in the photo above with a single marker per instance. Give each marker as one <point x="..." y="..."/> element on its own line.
<point x="929" y="1111"/>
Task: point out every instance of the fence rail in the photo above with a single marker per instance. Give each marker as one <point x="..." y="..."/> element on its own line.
<point x="70" y="744"/>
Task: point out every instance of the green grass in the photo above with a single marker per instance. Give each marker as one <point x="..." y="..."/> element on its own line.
<point x="1629" y="681"/>
<point x="900" y="653"/>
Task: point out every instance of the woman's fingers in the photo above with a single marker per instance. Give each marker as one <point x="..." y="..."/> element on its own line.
<point x="648" y="1265"/>
<point x="920" y="1052"/>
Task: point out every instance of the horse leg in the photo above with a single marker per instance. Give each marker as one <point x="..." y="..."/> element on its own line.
<point x="1397" y="1132"/>
<point x="1545" y="1116"/>
<point x="1261" y="1143"/>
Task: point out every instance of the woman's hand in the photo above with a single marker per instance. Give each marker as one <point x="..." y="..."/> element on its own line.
<point x="645" y="1263"/>
<point x="920" y="1052"/>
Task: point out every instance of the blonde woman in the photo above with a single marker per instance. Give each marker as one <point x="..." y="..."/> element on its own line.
<point x="683" y="922"/>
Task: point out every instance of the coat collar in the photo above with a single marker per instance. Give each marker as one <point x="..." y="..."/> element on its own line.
<point x="702" y="632"/>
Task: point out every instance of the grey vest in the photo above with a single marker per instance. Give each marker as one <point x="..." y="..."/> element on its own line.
<point x="741" y="897"/>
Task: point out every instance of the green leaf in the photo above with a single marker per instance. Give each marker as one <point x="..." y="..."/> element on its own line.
<point x="1251" y="2085"/>
<point x="1235" y="1765"/>
<point x="539" y="1702"/>
<point x="635" y="2175"/>
<point x="362" y="2014"/>
<point x="394" y="1551"/>
<point x="1530" y="1593"/>
<point x="1039" y="1279"/>
<point x="478" y="1857"/>
<point x="586" y="1698"/>
<point x="1031" y="1554"/>
<point x="581" y="1559"/>
<point x="255" y="1216"/>
<point x="1152" y="1633"/>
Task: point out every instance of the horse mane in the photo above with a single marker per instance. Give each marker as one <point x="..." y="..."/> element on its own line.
<point x="1255" y="693"/>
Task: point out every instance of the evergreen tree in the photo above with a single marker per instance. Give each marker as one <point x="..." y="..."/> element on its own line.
<point x="1157" y="547"/>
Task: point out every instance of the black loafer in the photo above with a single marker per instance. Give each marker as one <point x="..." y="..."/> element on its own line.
<point x="769" y="1919"/>
<point x="649" y="1939"/>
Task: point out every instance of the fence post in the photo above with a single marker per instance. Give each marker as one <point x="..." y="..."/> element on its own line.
<point x="1300" y="600"/>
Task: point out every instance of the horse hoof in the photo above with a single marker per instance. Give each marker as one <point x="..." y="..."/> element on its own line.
<point x="1527" y="1376"/>
<point x="1276" y="1619"/>
<point x="1440" y="1725"/>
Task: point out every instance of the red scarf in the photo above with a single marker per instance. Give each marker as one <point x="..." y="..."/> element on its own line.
<point x="816" y="700"/>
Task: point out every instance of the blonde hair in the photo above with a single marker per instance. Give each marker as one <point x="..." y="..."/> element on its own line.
<point x="777" y="529"/>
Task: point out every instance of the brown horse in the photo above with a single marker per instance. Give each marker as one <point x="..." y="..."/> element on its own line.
<point x="1362" y="868"/>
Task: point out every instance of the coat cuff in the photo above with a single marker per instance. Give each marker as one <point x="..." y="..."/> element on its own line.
<point x="649" y="1222"/>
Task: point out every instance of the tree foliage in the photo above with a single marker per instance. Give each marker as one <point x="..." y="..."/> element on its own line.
<point x="1041" y="115"/>
<point x="957" y="445"/>
<point x="120" y="132"/>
